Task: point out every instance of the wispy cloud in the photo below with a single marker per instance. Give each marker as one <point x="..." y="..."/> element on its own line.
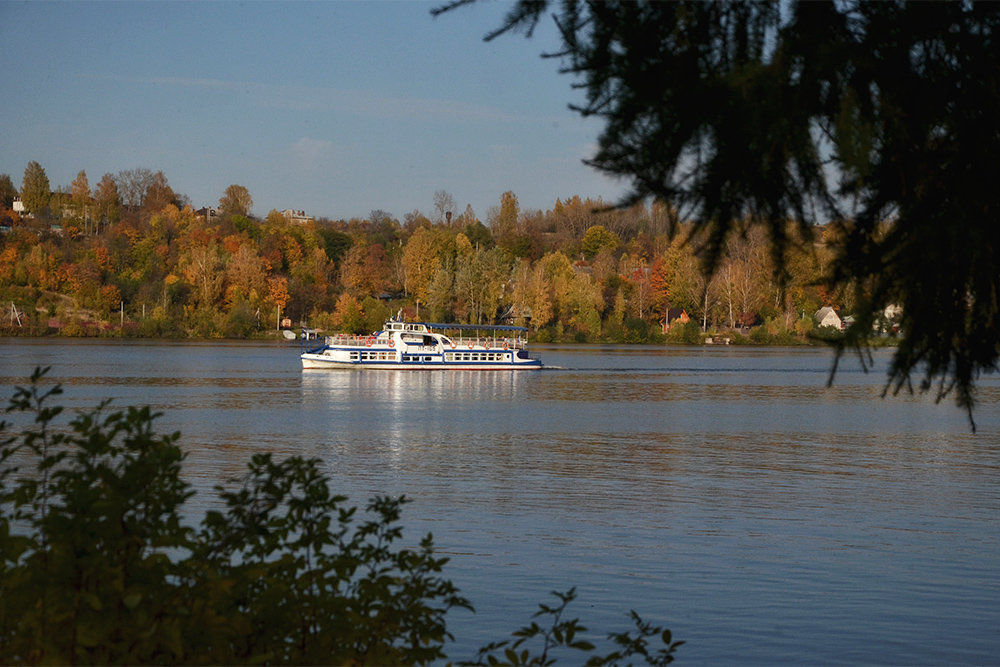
<point x="359" y="102"/>
<point x="311" y="150"/>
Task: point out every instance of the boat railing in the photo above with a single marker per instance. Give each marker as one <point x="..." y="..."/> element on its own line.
<point x="493" y="343"/>
<point x="350" y="340"/>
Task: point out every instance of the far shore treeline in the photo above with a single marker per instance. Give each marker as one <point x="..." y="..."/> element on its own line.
<point x="132" y="257"/>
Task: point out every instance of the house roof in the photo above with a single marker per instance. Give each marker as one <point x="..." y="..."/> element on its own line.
<point x="824" y="311"/>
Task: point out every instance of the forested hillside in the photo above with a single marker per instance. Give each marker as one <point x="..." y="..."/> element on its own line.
<point x="132" y="257"/>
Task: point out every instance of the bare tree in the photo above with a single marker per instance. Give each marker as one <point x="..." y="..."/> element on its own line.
<point x="443" y="203"/>
<point x="133" y="184"/>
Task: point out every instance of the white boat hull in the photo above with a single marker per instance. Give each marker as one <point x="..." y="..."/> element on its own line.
<point x="405" y="346"/>
<point x="388" y="359"/>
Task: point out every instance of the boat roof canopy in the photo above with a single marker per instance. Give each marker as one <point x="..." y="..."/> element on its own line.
<point x="472" y="327"/>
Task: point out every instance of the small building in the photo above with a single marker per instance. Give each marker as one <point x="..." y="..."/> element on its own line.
<point x="297" y="216"/>
<point x="208" y="213"/>
<point x="678" y="315"/>
<point x="828" y="317"/>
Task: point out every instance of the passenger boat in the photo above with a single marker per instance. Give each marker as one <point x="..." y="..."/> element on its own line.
<point x="426" y="346"/>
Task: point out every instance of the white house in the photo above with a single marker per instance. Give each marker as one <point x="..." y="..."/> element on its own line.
<point x="827" y="317"/>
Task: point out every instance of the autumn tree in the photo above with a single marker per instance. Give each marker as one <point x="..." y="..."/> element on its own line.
<point x="531" y="297"/>
<point x="203" y="269"/>
<point x="158" y="194"/>
<point x="35" y="189"/>
<point x="420" y="262"/>
<point x="587" y="303"/>
<point x="596" y="239"/>
<point x="540" y="298"/>
<point x="277" y="292"/>
<point x="383" y="229"/>
<point x="557" y="274"/>
<point x="697" y="291"/>
<point x="637" y="272"/>
<point x="441" y="293"/>
<point x="463" y="246"/>
<point x="348" y="315"/>
<point x="107" y="202"/>
<point x="522" y="295"/>
<point x="236" y="201"/>
<point x="504" y="222"/>
<point x="41" y="267"/>
<point x="468" y="217"/>
<point x="246" y="276"/>
<point x="81" y="200"/>
<point x="364" y="270"/>
<point x="574" y="216"/>
<point x="481" y="282"/>
<point x="662" y="277"/>
<point x="414" y="220"/>
<point x="742" y="277"/>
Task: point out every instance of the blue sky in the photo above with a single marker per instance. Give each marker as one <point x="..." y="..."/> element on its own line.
<point x="337" y="108"/>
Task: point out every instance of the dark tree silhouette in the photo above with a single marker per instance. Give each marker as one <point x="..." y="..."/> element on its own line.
<point x="881" y="119"/>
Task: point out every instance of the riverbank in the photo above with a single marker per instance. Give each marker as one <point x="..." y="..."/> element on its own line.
<point x="755" y="338"/>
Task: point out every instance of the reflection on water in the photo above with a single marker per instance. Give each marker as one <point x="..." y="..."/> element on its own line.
<point x="727" y="493"/>
<point x="399" y="387"/>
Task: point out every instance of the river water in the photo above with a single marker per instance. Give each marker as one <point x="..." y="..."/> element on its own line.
<point x="726" y="493"/>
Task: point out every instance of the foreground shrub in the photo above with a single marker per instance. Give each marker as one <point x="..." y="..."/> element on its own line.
<point x="97" y="565"/>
